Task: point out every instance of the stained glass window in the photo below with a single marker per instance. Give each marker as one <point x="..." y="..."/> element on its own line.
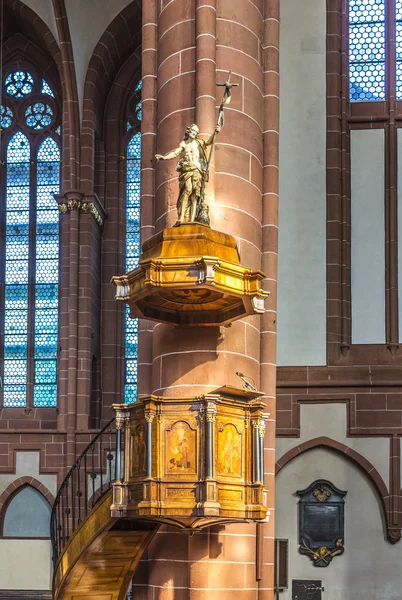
<point x="16" y="271"/>
<point x="19" y="84"/>
<point x="367" y="50"/>
<point x="6" y="117"/>
<point x="30" y="228"/>
<point x="47" y="274"/>
<point x="38" y="115"/>
<point x="46" y="89"/>
<point x="132" y="257"/>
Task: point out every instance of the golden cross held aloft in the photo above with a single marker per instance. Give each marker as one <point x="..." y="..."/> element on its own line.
<point x="228" y="89"/>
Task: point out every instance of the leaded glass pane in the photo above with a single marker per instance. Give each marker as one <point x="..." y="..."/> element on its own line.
<point x="398" y="7"/>
<point x="6" y="117"/>
<point x="16" y="271"/>
<point x="367" y="50"/>
<point x="38" y="115"/>
<point x="47" y="274"/>
<point x="46" y="89"/>
<point x="132" y="258"/>
<point x="19" y="84"/>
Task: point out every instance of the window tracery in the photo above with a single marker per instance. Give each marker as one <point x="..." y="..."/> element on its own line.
<point x="29" y="239"/>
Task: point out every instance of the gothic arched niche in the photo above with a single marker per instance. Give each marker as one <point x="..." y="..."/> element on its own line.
<point x="27" y="515"/>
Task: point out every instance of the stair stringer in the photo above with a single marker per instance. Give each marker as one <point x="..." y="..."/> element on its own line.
<point x="99" y="560"/>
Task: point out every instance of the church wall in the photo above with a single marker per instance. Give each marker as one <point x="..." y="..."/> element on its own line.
<point x="302" y="204"/>
<point x="44" y="8"/>
<point x="369" y="567"/>
<point x="339" y="374"/>
<point x="86" y="27"/>
<point x="25" y="564"/>
<point x="331" y="420"/>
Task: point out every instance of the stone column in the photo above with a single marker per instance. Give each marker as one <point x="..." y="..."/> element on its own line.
<point x="148" y="130"/>
<point x="269" y="266"/>
<point x="219" y="562"/>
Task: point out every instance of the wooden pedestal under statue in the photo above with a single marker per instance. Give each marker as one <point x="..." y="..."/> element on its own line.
<point x="191" y="275"/>
<point x="192" y="462"/>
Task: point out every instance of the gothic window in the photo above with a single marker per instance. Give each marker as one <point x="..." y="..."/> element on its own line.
<point x="29" y="239"/>
<point x="375" y="50"/>
<point x="133" y="172"/>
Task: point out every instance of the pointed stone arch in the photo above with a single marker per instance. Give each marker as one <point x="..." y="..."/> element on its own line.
<point x="15" y="487"/>
<point x="393" y="533"/>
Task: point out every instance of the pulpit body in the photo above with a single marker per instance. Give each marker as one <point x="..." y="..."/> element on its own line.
<point x="192" y="461"/>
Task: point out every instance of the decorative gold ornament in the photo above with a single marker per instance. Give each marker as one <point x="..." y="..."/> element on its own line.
<point x="322" y="494"/>
<point x="192" y="471"/>
<point x="323" y="554"/>
<point x="191" y="276"/>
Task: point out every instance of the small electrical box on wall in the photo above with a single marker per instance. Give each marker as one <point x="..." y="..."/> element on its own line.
<point x="281" y="565"/>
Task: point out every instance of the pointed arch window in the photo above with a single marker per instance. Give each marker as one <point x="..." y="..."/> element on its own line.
<point x="375" y="50"/>
<point x="29" y="240"/>
<point x="133" y="173"/>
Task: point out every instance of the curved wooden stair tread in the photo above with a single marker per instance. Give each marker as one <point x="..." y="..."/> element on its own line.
<point x="100" y="558"/>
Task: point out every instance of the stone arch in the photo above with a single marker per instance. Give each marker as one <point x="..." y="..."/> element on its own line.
<point x="17" y="486"/>
<point x="393" y="534"/>
<point x="120" y="41"/>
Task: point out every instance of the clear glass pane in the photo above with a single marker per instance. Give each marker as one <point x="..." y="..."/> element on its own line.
<point x="367" y="50"/>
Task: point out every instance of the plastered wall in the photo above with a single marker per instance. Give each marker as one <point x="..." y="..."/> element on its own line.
<point x="88" y="20"/>
<point x="330" y="420"/>
<point x="25" y="565"/>
<point x="44" y="8"/>
<point x="368" y="236"/>
<point x="370" y="567"/>
<point x="302" y="200"/>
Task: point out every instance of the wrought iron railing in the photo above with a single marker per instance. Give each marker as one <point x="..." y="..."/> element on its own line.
<point x="88" y="480"/>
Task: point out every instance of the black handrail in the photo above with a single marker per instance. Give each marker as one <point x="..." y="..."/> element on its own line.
<point x="77" y="495"/>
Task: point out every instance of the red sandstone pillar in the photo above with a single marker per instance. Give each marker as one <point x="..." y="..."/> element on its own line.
<point x="269" y="266"/>
<point x="148" y="130"/>
<point x="219" y="562"/>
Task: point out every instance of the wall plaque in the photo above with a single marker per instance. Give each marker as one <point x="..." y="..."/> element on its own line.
<point x="321" y="522"/>
<point x="306" y="589"/>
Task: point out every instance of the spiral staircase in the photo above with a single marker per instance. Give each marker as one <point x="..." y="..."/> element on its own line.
<point x="94" y="555"/>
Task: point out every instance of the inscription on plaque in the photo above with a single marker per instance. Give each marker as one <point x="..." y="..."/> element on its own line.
<point x="307" y="589"/>
<point x="321" y="522"/>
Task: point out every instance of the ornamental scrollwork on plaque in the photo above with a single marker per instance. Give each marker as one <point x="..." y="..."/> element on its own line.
<point x="321" y="522"/>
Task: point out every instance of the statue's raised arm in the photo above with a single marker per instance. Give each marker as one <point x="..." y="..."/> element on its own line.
<point x="193" y="167"/>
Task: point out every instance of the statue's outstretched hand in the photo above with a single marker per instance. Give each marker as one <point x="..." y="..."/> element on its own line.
<point x="217" y="128"/>
<point x="159" y="157"/>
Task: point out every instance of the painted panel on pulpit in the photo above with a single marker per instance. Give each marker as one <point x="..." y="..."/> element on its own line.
<point x="181" y="453"/>
<point x="229" y="451"/>
<point x="139" y="451"/>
